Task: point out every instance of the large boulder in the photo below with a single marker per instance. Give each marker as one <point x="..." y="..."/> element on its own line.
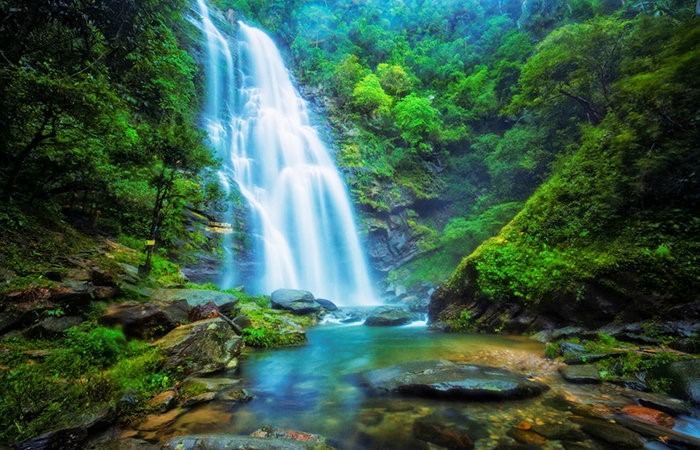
<point x="202" y="347"/>
<point x="53" y="326"/>
<point x="580" y="374"/>
<point x="146" y="320"/>
<point x="445" y="379"/>
<point x="295" y="301"/>
<point x="389" y="316"/>
<point x="684" y="378"/>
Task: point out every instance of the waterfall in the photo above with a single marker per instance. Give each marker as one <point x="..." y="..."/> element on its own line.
<point x="301" y="221"/>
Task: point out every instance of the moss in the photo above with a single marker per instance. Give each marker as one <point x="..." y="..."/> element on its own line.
<point x="461" y="323"/>
<point x="46" y="385"/>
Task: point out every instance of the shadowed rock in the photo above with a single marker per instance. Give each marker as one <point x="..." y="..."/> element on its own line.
<point x="445" y="379"/>
<point x="583" y="374"/>
<point x="295" y="301"/>
<point x="389" y="316"/>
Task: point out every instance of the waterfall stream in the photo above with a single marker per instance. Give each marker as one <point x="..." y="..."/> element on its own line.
<point x="300" y="219"/>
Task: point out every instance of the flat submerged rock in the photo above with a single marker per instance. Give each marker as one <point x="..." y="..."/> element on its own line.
<point x="445" y="379"/>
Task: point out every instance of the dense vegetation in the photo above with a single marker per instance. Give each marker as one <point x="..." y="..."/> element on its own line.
<point x="455" y="112"/>
<point x="552" y="143"/>
<point x="98" y="116"/>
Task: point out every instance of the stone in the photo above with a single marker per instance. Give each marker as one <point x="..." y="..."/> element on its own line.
<point x="163" y="401"/>
<point x="674" y="438"/>
<point x="293" y="435"/>
<point x="527" y="437"/>
<point x="581" y="374"/>
<point x="195" y="297"/>
<point x="68" y="439"/>
<point x="234" y="442"/>
<point x="442" y="435"/>
<point x="672" y="406"/>
<point x="53" y="326"/>
<point x="202" y="347"/>
<point x="327" y="304"/>
<point x="146" y="320"/>
<point x="370" y="417"/>
<point x="295" y="301"/>
<point x="155" y="422"/>
<point x="686" y="344"/>
<point x="419" y="304"/>
<point x="208" y="310"/>
<point x="650" y="415"/>
<point x="445" y="379"/>
<point x="206" y="397"/>
<point x="208" y="384"/>
<point x="234" y="395"/>
<point x="571" y="348"/>
<point x="564" y="431"/>
<point x="565" y="333"/>
<point x="524" y="425"/>
<point x="684" y="377"/>
<point x="242" y="321"/>
<point x="609" y="432"/>
<point x="130" y="444"/>
<point x="388" y="316"/>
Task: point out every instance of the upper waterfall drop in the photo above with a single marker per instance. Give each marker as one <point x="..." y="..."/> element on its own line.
<point x="300" y="217"/>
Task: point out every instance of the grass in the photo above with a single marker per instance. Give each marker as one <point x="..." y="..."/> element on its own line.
<point x="48" y="385"/>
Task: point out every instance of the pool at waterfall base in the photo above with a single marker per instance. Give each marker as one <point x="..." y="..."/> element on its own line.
<point x="315" y="389"/>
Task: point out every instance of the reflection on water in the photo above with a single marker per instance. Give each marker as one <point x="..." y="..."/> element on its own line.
<point x="312" y="389"/>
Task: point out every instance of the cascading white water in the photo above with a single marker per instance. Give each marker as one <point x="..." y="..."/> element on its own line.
<point x="301" y="218"/>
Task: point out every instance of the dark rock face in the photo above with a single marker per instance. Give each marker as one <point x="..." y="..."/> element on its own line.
<point x="593" y="304"/>
<point x="445" y="379"/>
<point x="581" y="374"/>
<point x="391" y="241"/>
<point x="202" y="347"/>
<point x="295" y="301"/>
<point x="685" y="379"/>
<point x="388" y="316"/>
<point x="146" y="320"/>
<point x="70" y="438"/>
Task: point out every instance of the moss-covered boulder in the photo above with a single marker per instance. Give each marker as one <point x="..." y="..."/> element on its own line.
<point x="202" y="347"/>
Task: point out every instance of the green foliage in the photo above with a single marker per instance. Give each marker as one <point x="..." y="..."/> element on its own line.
<point x="417" y="121"/>
<point x="609" y="207"/>
<point x="99" y="120"/>
<point x="369" y="97"/>
<point x="87" y="370"/>
<point x="462" y="323"/>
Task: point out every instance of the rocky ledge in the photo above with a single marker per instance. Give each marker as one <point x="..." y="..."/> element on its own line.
<point x="446" y="379"/>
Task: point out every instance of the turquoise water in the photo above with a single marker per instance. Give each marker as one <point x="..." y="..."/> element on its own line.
<point x="312" y="389"/>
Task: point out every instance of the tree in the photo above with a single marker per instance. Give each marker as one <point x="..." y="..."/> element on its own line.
<point x="573" y="70"/>
<point x="417" y="121"/>
<point x="369" y="97"/>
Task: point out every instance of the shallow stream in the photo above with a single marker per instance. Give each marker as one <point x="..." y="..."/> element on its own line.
<point x="312" y="389"/>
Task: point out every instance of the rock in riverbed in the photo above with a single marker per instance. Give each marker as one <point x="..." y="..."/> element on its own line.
<point x="387" y="316"/>
<point x="295" y="301"/>
<point x="445" y="379"/>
